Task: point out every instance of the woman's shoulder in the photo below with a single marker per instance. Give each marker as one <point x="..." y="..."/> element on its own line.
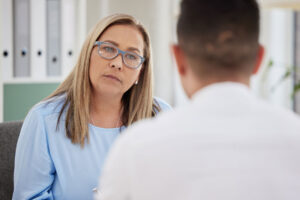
<point x="49" y="106"/>
<point x="44" y="112"/>
<point x="162" y="104"/>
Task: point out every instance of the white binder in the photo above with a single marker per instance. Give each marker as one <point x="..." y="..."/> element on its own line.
<point x="81" y="29"/>
<point x="6" y="40"/>
<point x="38" y="39"/>
<point x="68" y="38"/>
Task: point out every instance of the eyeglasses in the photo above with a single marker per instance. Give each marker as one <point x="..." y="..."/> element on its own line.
<point x="109" y="51"/>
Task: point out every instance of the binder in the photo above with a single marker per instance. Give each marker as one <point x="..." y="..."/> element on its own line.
<point x="6" y="40"/>
<point x="53" y="37"/>
<point x="21" y="25"/>
<point x="296" y="100"/>
<point x="68" y="36"/>
<point x="38" y="39"/>
<point x="81" y="21"/>
<point x="1" y="82"/>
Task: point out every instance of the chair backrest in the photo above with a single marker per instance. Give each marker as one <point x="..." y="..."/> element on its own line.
<point x="9" y="133"/>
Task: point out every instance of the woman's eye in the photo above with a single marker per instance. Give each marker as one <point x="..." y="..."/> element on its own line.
<point x="131" y="57"/>
<point x="109" y="49"/>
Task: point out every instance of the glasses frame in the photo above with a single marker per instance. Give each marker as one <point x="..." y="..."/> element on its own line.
<point x="99" y="43"/>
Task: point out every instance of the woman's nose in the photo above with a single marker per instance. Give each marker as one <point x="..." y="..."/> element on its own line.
<point x="117" y="62"/>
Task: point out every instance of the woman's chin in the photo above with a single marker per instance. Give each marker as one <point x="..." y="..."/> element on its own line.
<point x="110" y="91"/>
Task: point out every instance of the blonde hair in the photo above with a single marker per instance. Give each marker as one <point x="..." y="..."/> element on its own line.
<point x="137" y="102"/>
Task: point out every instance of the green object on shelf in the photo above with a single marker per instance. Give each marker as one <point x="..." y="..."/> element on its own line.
<point x="20" y="97"/>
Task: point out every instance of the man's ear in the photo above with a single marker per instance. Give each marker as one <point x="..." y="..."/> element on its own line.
<point x="180" y="59"/>
<point x="260" y="56"/>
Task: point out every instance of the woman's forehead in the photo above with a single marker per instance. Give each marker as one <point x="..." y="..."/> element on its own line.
<point x="123" y="35"/>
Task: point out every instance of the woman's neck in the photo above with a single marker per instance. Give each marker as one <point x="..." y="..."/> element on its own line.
<point x="106" y="112"/>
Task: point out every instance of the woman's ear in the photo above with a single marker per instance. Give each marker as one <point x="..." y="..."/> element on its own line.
<point x="259" y="58"/>
<point x="180" y="59"/>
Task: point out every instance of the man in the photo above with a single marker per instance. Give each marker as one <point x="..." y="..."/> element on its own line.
<point x="226" y="144"/>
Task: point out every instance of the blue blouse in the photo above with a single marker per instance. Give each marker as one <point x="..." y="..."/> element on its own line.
<point x="49" y="166"/>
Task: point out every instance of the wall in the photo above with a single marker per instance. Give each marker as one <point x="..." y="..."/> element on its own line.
<point x="277" y="38"/>
<point x="20" y="97"/>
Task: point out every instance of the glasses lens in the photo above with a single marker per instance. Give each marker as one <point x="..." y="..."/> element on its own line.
<point x="108" y="51"/>
<point x="132" y="60"/>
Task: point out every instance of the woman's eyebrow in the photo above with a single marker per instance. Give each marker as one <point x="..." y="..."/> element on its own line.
<point x="116" y="44"/>
<point x="134" y="49"/>
<point x="110" y="41"/>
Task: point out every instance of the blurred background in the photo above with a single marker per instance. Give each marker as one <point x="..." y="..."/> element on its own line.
<point x="41" y="39"/>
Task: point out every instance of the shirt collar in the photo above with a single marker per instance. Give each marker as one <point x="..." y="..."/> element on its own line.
<point x="220" y="89"/>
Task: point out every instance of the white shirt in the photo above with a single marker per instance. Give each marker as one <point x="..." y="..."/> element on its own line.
<point x="225" y="145"/>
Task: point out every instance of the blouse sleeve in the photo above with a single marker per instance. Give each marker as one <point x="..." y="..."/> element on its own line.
<point x="34" y="170"/>
<point x="163" y="105"/>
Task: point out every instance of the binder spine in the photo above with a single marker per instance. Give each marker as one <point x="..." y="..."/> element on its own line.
<point x="21" y="24"/>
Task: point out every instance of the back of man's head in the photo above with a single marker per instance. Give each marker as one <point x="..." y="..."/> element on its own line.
<point x="219" y="37"/>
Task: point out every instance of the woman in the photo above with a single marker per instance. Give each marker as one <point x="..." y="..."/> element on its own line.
<point x="65" y="139"/>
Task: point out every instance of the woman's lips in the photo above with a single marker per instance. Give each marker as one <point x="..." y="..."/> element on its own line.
<point x="112" y="77"/>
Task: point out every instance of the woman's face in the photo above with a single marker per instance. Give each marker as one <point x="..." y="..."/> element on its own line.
<point x="111" y="77"/>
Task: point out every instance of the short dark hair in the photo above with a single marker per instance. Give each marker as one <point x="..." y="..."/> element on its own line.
<point x="220" y="36"/>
